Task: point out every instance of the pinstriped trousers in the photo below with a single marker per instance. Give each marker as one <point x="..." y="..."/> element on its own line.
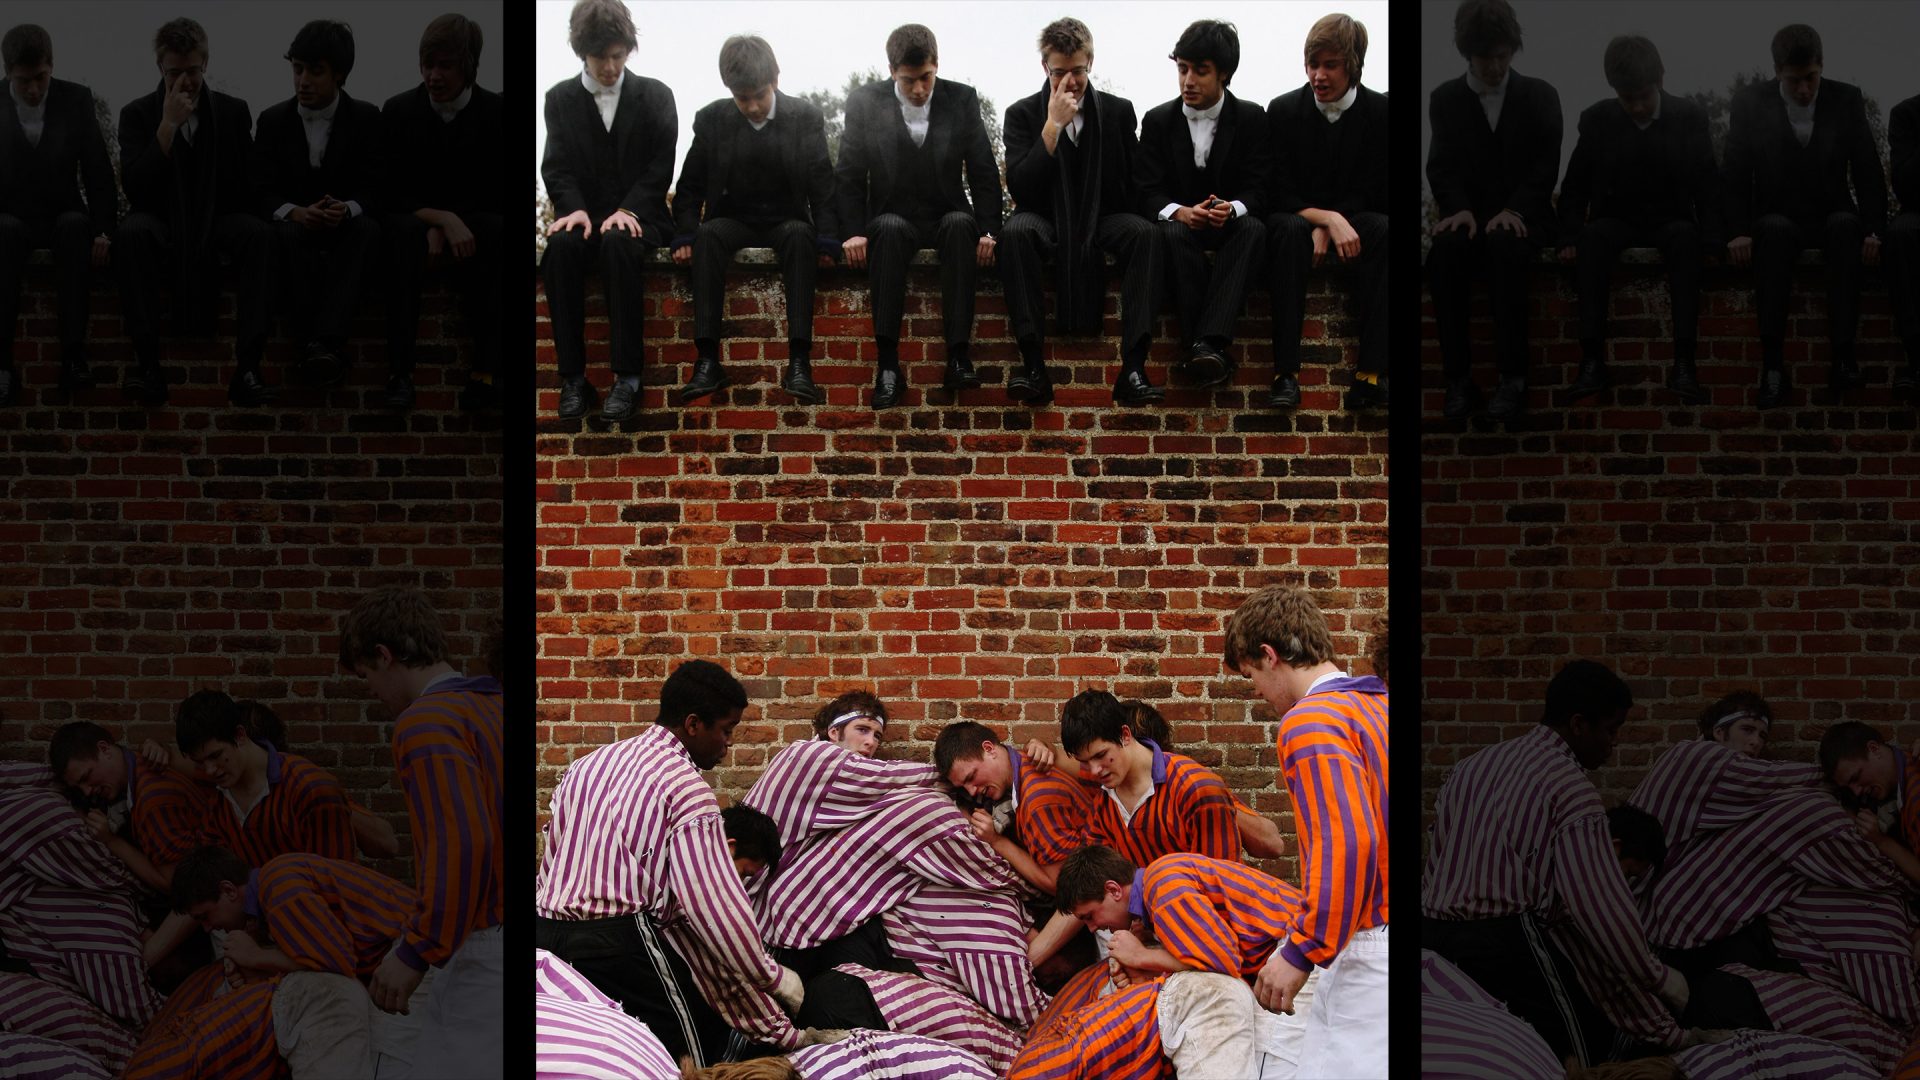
<point x="1029" y="238"/>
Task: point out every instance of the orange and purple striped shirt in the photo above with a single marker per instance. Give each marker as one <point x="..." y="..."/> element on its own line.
<point x="1050" y="811"/>
<point x="1216" y="915"/>
<point x="169" y="810"/>
<point x="329" y="915"/>
<point x="305" y="809"/>
<point x="230" y="1038"/>
<point x="447" y="750"/>
<point x="1115" y="1038"/>
<point x="1333" y="763"/>
<point x="1189" y="809"/>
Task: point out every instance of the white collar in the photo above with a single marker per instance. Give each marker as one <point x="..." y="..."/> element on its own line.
<point x="593" y="85"/>
<point x="910" y="107"/>
<point x="1346" y="100"/>
<point x="1315" y="684"/>
<point x="1482" y="89"/>
<point x="32" y="112"/>
<point x="1794" y="106"/>
<point x="1211" y="112"/>
<point x="326" y="113"/>
<point x="774" y="107"/>
<point x="1658" y="102"/>
<point x="451" y="109"/>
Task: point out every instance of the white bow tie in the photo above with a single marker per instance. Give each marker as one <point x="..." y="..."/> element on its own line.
<point x="1199" y="114"/>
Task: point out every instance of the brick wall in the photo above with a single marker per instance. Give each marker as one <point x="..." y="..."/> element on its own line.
<point x="966" y="561"/>
<point x="147" y="554"/>
<point x="1695" y="550"/>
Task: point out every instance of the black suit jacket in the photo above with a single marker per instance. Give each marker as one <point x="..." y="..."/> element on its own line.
<point x="443" y="164"/>
<point x="803" y="149"/>
<point x="1238" y="165"/>
<point x="349" y="170"/>
<point x="956" y="137"/>
<point x="581" y="175"/>
<point x="1769" y="172"/>
<point x="37" y="184"/>
<point x="1340" y="166"/>
<point x="152" y="178"/>
<point x="1471" y="167"/>
<point x="1665" y="173"/>
<point x="1903" y="137"/>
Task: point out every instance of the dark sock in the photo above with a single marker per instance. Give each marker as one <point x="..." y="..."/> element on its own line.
<point x="1135" y="357"/>
<point x="1843" y="352"/>
<point x="956" y="350"/>
<point x="1773" y="353"/>
<point x="799" y="350"/>
<point x="707" y="347"/>
<point x="889" y="352"/>
<point x="1686" y="350"/>
<point x="1030" y="353"/>
<point x="1592" y="349"/>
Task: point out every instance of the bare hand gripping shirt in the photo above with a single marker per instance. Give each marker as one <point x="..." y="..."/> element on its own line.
<point x="1519" y="829"/>
<point x="635" y="829"/>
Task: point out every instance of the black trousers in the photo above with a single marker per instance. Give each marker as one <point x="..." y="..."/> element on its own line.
<point x="630" y="961"/>
<point x="324" y="272"/>
<point x="1210" y="300"/>
<point x="714" y="246"/>
<point x="1903" y="278"/>
<point x="621" y="257"/>
<point x="866" y="945"/>
<point x="70" y="236"/>
<point x="1512" y="960"/>
<point x="1028" y="239"/>
<point x="1599" y="246"/>
<point x="140" y="261"/>
<point x="1777" y="243"/>
<point x="1292" y="239"/>
<point x="891" y="243"/>
<point x="836" y="999"/>
<point x="475" y="279"/>
<point x="1507" y="261"/>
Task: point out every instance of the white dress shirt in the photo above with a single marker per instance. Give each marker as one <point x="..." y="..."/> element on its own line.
<point x="318" y="126"/>
<point x="33" y="118"/>
<point x="770" y="109"/>
<point x="606" y="97"/>
<point x="1800" y="116"/>
<point x="1074" y="125"/>
<point x="1334" y="110"/>
<point x="1491" y="97"/>
<point x="1201" y="125"/>
<point x="918" y="117"/>
<point x="449" y="110"/>
<point x="192" y="125"/>
<point x="1650" y="119"/>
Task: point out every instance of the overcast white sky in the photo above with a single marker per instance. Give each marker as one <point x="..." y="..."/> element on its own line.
<point x="989" y="45"/>
<point x="1703" y="44"/>
<point x="108" y="44"/>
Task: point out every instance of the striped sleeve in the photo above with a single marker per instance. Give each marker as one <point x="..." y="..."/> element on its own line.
<point x="1207" y="814"/>
<point x="168" y="815"/>
<point x="1338" y="830"/>
<point x="1051" y="819"/>
<point x="30" y="1006"/>
<point x="324" y="817"/>
<point x="302" y="922"/>
<point x="719" y="939"/>
<point x="574" y="1040"/>
<point x="1187" y="922"/>
<point x="1798" y="1004"/>
<point x="35" y="1057"/>
<point x="230" y="1038"/>
<point x="887" y="1055"/>
<point x="453" y="857"/>
<point x="1466" y="1035"/>
<point x="1603" y="935"/>
<point x="1752" y="1054"/>
<point x="916" y="1006"/>
<point x="860" y="781"/>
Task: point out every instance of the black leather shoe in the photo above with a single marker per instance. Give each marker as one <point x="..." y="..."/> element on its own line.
<point x="9" y="387"/>
<point x="1030" y="385"/>
<point x="398" y="395"/>
<point x="1463" y="400"/>
<point x="146" y="384"/>
<point x="247" y="389"/>
<point x="320" y="366"/>
<point x="1366" y="395"/>
<point x="887" y="386"/>
<point x="1509" y="399"/>
<point x="577" y="396"/>
<point x="478" y="396"/>
<point x="1207" y="365"/>
<point x="1684" y="381"/>
<point x="960" y="374"/>
<point x="1843" y="376"/>
<point x="1593" y="378"/>
<point x="799" y="381"/>
<point x="1907" y="379"/>
<point x="623" y="399"/>
<point x="74" y="375"/>
<point x="1285" y="393"/>
<point x="1134" y="388"/>
<point x="708" y="376"/>
<point x="1774" y="387"/>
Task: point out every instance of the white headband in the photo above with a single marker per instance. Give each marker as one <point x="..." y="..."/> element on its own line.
<point x="858" y="714"/>
<point x="1743" y="714"/>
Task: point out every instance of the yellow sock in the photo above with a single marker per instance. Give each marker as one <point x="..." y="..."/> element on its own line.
<point x="485" y="377"/>
<point x="1368" y="377"/>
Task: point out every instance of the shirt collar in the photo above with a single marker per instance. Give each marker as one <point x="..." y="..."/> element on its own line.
<point x="1482" y="89"/>
<point x="276" y="763"/>
<point x="1159" y="771"/>
<point x="1211" y="112"/>
<point x="773" y="108"/>
<point x="917" y="110"/>
<point x="437" y="680"/>
<point x="33" y="112"/>
<point x="1137" y="895"/>
<point x="251" y="903"/>
<point x="1013" y="785"/>
<point x="326" y="113"/>
<point x="452" y="108"/>
<point x="593" y="85"/>
<point x="1346" y="100"/>
<point x="1328" y="677"/>
<point x="1794" y="107"/>
<point x="664" y="735"/>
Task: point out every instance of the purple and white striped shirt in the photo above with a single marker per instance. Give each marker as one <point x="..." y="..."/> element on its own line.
<point x="67" y="905"/>
<point x="30" y="1006"/>
<point x="915" y="1006"/>
<point x="1801" y="1006"/>
<point x="1858" y="942"/>
<point x="888" y="1055"/>
<point x="1703" y="786"/>
<point x="1772" y="1055"/>
<point x="35" y="1057"/>
<point x="1466" y="1035"/>
<point x="634" y="828"/>
<point x="1518" y="828"/>
<point x="817" y="786"/>
<point x="582" y="1034"/>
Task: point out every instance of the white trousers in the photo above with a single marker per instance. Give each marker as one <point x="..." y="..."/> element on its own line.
<point x="1346" y="1029"/>
<point x="323" y="1024"/>
<point x="462" y="1027"/>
